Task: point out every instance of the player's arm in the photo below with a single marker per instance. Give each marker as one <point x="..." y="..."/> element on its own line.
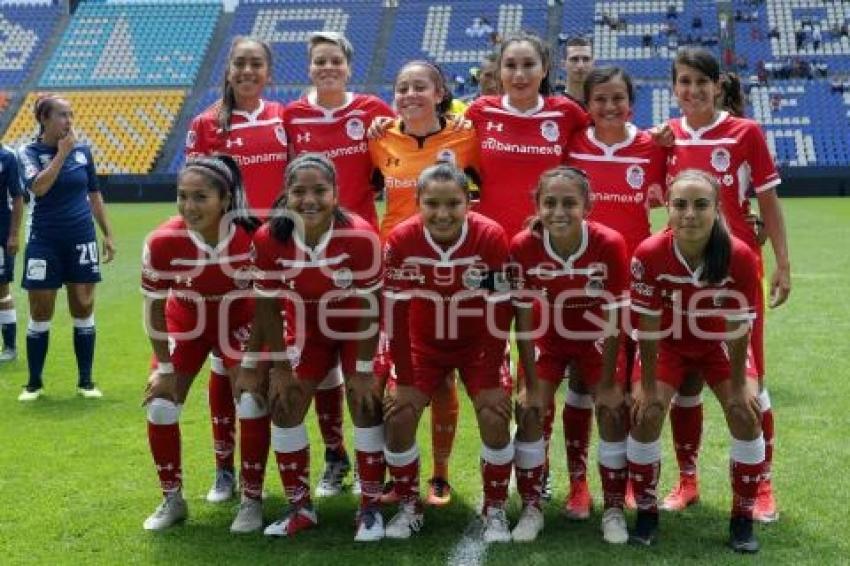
<point x="774" y="224"/>
<point x="98" y="210"/>
<point x="45" y="180"/>
<point x="13" y="243"/>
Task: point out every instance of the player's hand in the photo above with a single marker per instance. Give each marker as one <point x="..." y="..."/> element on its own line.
<point x="758" y="228"/>
<point x="363" y="394"/>
<point x="67" y="142"/>
<point x="531" y="408"/>
<point x="662" y="135"/>
<point x="108" y="249"/>
<point x="646" y="406"/>
<point x="160" y="386"/>
<point x="743" y="402"/>
<point x="379" y="127"/>
<point x="780" y="286"/>
<point x="284" y="390"/>
<point x="495" y="399"/>
<point x="389" y="403"/>
<point x="12" y="245"/>
<point x="610" y="402"/>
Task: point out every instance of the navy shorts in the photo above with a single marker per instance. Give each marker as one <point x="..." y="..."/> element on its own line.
<point x="7" y="265"/>
<point x="50" y="262"/>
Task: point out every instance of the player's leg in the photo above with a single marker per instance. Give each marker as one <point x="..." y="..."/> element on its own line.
<point x="686" y="426"/>
<point x="223" y="421"/>
<point x="329" y="399"/>
<point x="445" y="409"/>
<point x="42" y="279"/>
<point x="765" y="509"/>
<point x="81" y="307"/>
<point x="578" y="420"/>
<point x="8" y="315"/>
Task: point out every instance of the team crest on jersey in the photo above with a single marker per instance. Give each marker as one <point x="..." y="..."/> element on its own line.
<point x="355" y="129"/>
<point x="728" y="180"/>
<point x="721" y="159"/>
<point x="635" y="176"/>
<point x="243" y="276"/>
<point x="191" y="138"/>
<point x="343" y="278"/>
<point x="293" y="354"/>
<point x="637" y="269"/>
<point x="549" y="130"/>
<point x="280" y="134"/>
<point x="80" y="157"/>
<point x="447" y="155"/>
<point x="473" y="277"/>
<point x="594" y="287"/>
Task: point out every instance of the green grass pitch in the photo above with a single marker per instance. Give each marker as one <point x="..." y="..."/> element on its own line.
<point x="77" y="479"/>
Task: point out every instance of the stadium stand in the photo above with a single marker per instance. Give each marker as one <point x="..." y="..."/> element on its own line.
<point x="126" y="129"/>
<point x="24" y="30"/>
<point x="138" y="44"/>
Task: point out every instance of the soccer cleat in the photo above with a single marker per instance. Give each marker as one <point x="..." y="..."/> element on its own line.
<point x="223" y="488"/>
<point x="8" y="355"/>
<point x="645" y="532"/>
<point x="629" y="501"/>
<point x="407" y="521"/>
<point x="496" y="528"/>
<point x="578" y="503"/>
<point x="741" y="537"/>
<point x="439" y="492"/>
<point x="370" y="525"/>
<point x="546" y="494"/>
<point x="249" y="517"/>
<point x="294" y="520"/>
<point x="684" y="494"/>
<point x="389" y="496"/>
<point x="764" y="510"/>
<point x="171" y="511"/>
<point x="26" y="395"/>
<point x="336" y="468"/>
<point x="529" y="525"/>
<point x="614" y="530"/>
<point x="89" y="391"/>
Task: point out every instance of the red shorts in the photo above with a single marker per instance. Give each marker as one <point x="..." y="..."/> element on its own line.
<point x="200" y="337"/>
<point x="553" y="358"/>
<point x="711" y="364"/>
<point x="313" y="354"/>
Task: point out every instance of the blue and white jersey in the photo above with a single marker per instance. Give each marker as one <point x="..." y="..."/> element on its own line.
<point x="64" y="210"/>
<point x="10" y="188"/>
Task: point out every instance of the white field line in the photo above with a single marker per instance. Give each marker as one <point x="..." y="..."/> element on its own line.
<point x="471" y="548"/>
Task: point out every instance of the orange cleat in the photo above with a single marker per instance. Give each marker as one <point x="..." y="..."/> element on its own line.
<point x="765" y="510"/>
<point x="684" y="494"/>
<point x="629" y="501"/>
<point x="439" y="492"/>
<point x="579" y="502"/>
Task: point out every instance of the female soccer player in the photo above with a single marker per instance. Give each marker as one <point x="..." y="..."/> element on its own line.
<point x="696" y="291"/>
<point x="323" y="264"/>
<point x="334" y="121"/>
<point x="194" y="275"/>
<point x="11" y="210"/>
<point x="420" y="137"/>
<point x="576" y="270"/>
<point x="62" y="245"/>
<point x="735" y="152"/>
<point x="446" y="309"/>
<point x="626" y="169"/>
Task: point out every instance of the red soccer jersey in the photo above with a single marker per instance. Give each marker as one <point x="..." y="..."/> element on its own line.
<point x="735" y="151"/>
<point x="693" y="313"/>
<point x="256" y="140"/>
<point x="441" y="294"/>
<point x="319" y="281"/>
<point x="623" y="177"/>
<point x="341" y="135"/>
<point x="516" y="147"/>
<point x="576" y="290"/>
<point x="176" y="259"/>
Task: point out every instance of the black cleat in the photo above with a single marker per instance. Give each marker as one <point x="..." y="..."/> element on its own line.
<point x="645" y="532"/>
<point x="741" y="537"/>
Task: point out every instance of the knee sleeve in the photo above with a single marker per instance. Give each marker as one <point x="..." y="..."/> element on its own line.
<point x="163" y="412"/>
<point x="248" y="408"/>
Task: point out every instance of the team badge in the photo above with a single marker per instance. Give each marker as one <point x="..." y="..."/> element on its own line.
<point x="80" y="157"/>
<point x="637" y="269"/>
<point x="635" y="176"/>
<point x="37" y="269"/>
<point x="594" y="287"/>
<point x="242" y="277"/>
<point x="721" y="159"/>
<point x="343" y="278"/>
<point x="280" y="134"/>
<point x="191" y="138"/>
<point x="728" y="180"/>
<point x="446" y="155"/>
<point x="549" y="130"/>
<point x="293" y="354"/>
<point x="473" y="277"/>
<point x="355" y="129"/>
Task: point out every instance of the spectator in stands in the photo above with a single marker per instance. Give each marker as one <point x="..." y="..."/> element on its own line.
<point x="11" y="210"/>
<point x="62" y="246"/>
<point x="774" y="33"/>
<point x="696" y="23"/>
<point x="817" y="37"/>
<point x="487" y="77"/>
<point x="578" y="62"/>
<point x="672" y="12"/>
<point x="799" y="38"/>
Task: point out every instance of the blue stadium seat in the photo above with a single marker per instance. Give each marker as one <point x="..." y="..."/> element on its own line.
<point x="23" y="32"/>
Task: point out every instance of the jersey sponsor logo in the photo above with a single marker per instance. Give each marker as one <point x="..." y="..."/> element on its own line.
<point x="721" y="159"/>
<point x="37" y="269"/>
<point x="356" y="149"/>
<point x="280" y="134"/>
<point x="492" y="144"/>
<point x="498" y="126"/>
<point x="236" y="141"/>
<point x="391" y="182"/>
<point x="343" y="278"/>
<point x="635" y="176"/>
<point x="637" y="269"/>
<point x="550" y="131"/>
<point x="447" y="155"/>
<point x="191" y="139"/>
<point x="355" y="129"/>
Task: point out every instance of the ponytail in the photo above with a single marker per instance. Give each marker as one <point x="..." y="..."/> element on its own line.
<point x="718" y="252"/>
<point x="731" y="97"/>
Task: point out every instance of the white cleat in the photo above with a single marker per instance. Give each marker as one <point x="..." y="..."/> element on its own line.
<point x="336" y="468"/>
<point x="496" y="527"/>
<point x="249" y="517"/>
<point x="27" y="396"/>
<point x="407" y="521"/>
<point x="614" y="529"/>
<point x="90" y="392"/>
<point x="529" y="525"/>
<point x="171" y="511"/>
<point x="8" y="355"/>
<point x="224" y="487"/>
<point x="370" y="525"/>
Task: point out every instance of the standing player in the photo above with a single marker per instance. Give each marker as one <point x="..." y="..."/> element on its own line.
<point x="575" y="270"/>
<point x="578" y="63"/>
<point x="324" y="265"/>
<point x="11" y="209"/>
<point x="62" y="245"/>
<point x="696" y="291"/>
<point x="443" y="267"/>
<point x="251" y="130"/>
<point x="334" y="121"/>
<point x="419" y="138"/>
<point x="194" y="272"/>
<point x="626" y="169"/>
<point x="735" y="152"/>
